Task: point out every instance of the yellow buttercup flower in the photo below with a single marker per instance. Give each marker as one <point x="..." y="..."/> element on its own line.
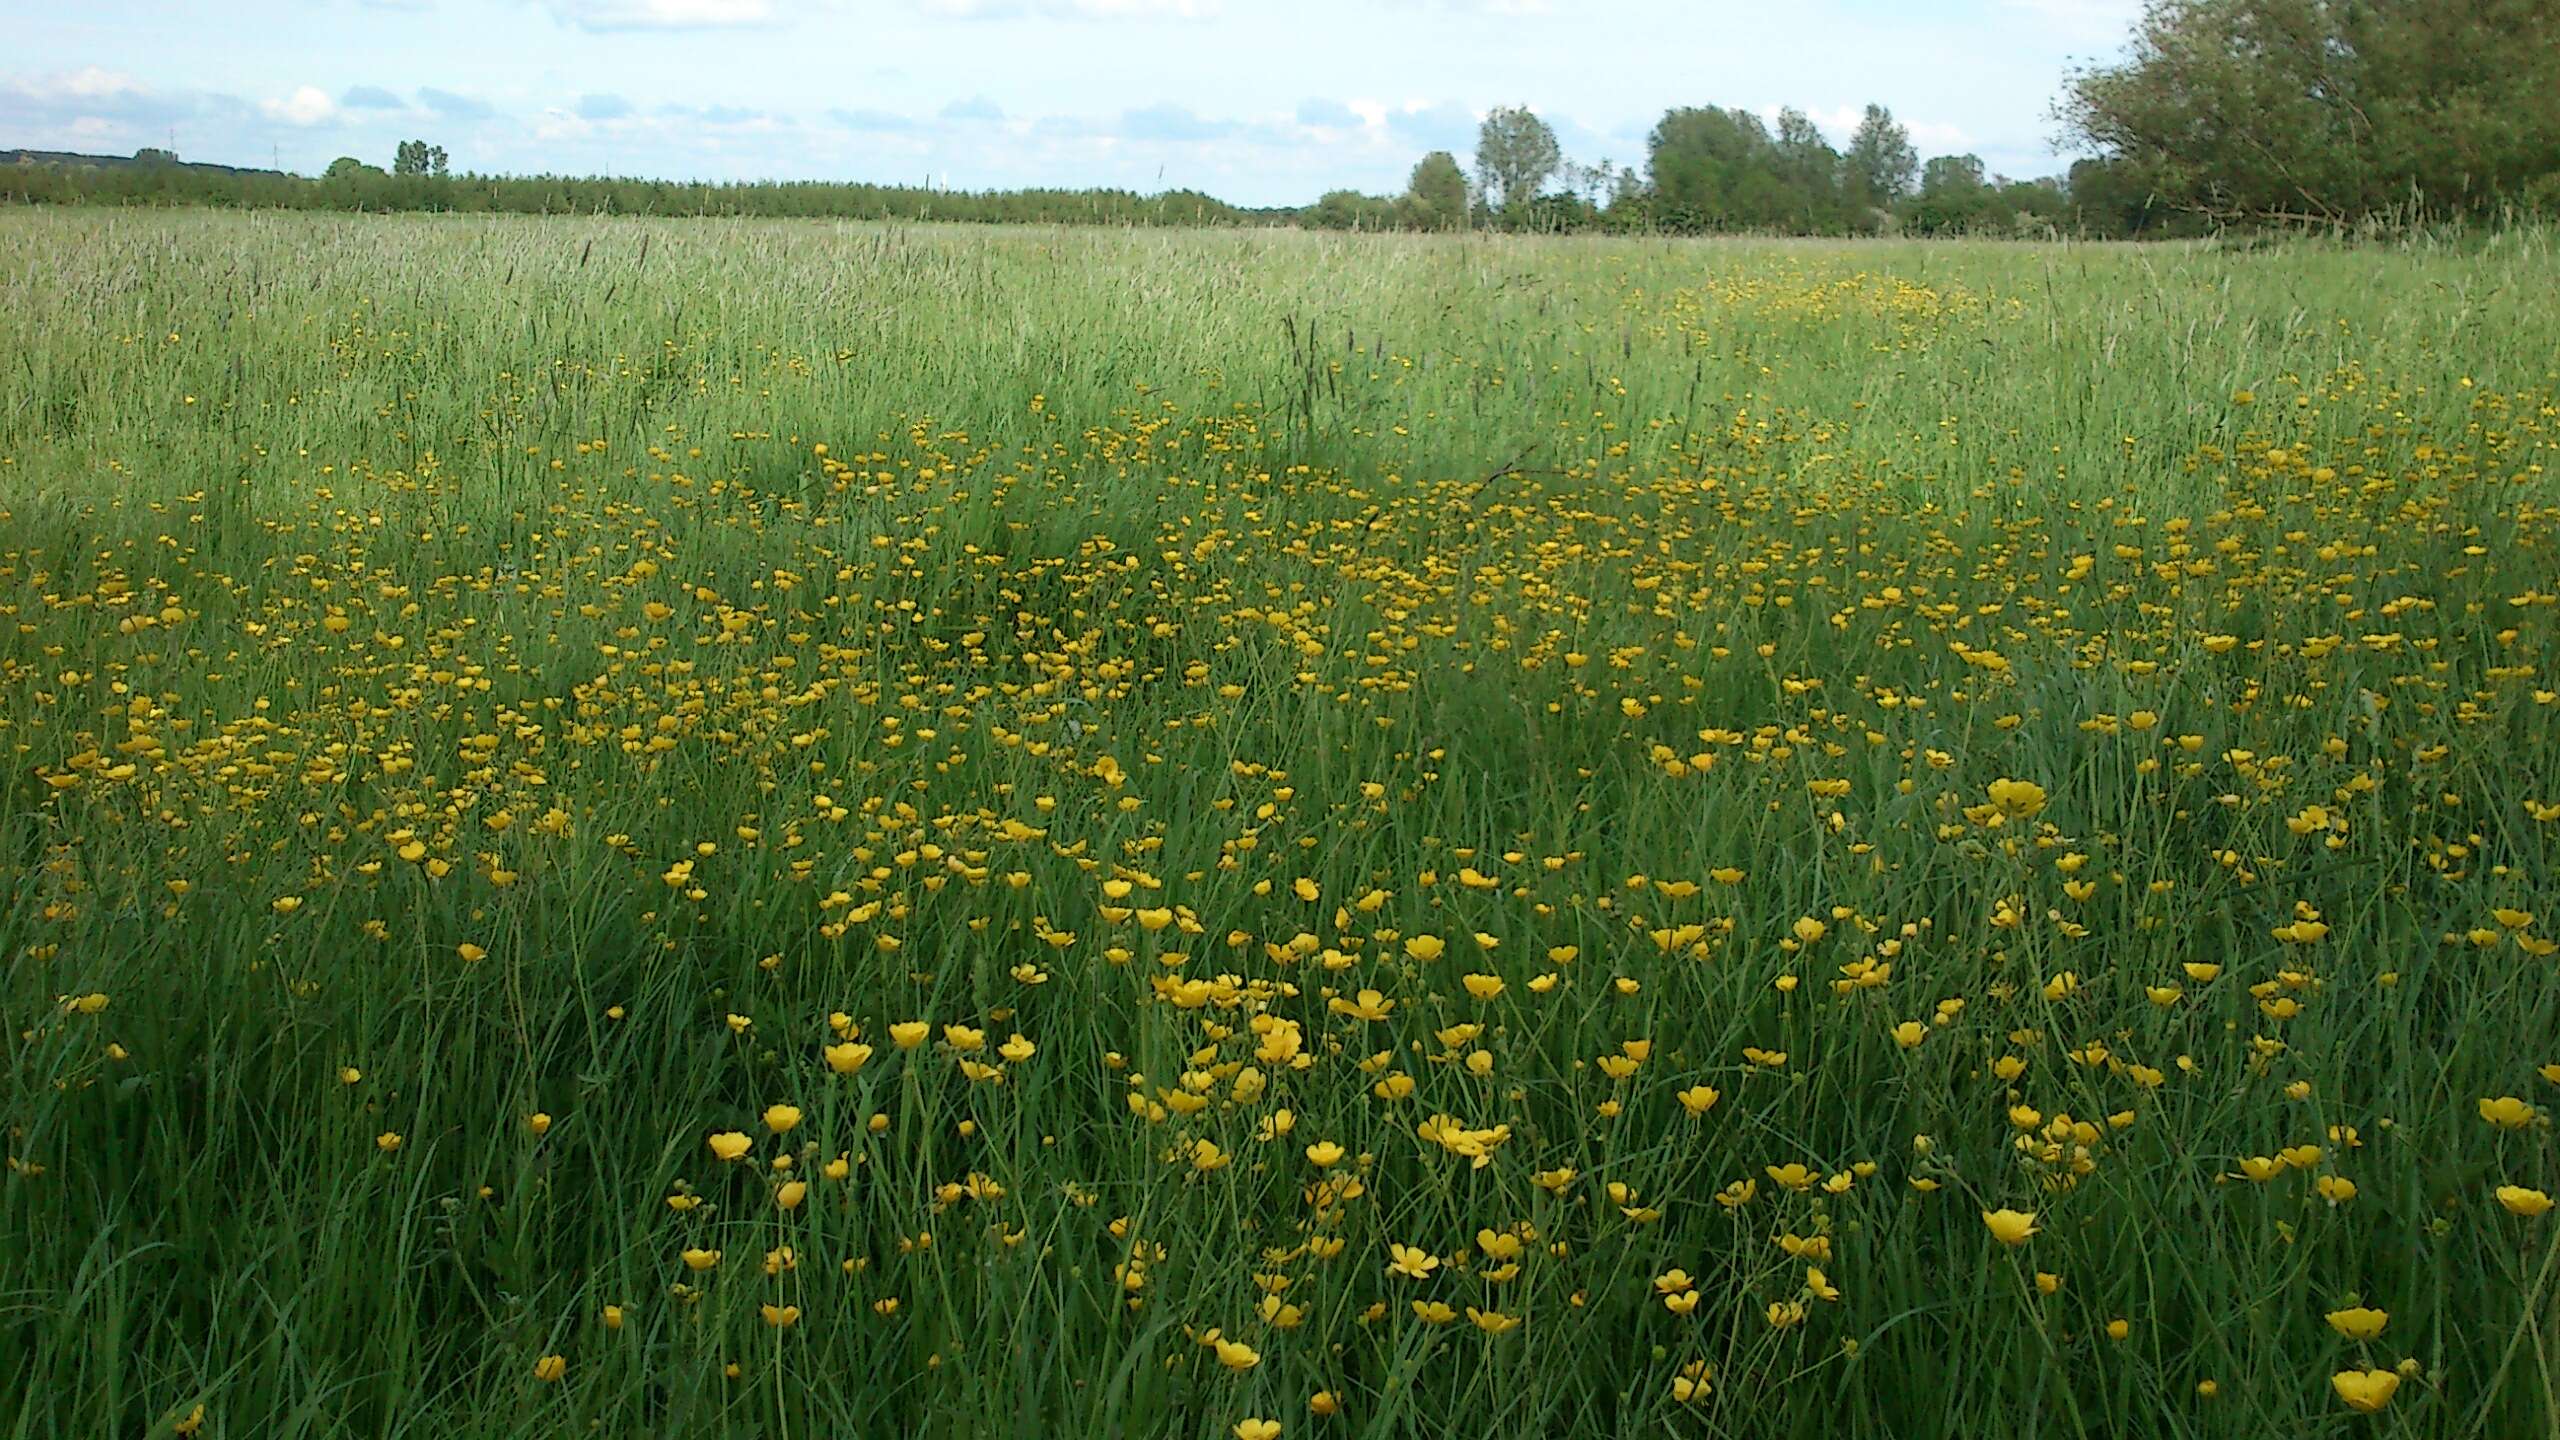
<point x="2366" y="1390"/>
<point x="2017" y="799"/>
<point x="2010" y="1227"/>
<point x="1411" y="1261"/>
<point x="2507" y="1112"/>
<point x="1367" y="1005"/>
<point x="2521" y="1201"/>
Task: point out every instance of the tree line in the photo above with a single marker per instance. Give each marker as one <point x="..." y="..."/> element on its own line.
<point x="2219" y="113"/>
<point x="423" y="181"/>
<point x="1707" y="169"/>
<point x="1712" y="169"/>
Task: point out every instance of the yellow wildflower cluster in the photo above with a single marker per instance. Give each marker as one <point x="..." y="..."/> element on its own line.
<point x="1874" y="847"/>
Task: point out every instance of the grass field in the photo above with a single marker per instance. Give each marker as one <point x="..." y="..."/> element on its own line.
<point x="706" y="829"/>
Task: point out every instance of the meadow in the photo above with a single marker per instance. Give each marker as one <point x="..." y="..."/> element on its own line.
<point x="761" y="828"/>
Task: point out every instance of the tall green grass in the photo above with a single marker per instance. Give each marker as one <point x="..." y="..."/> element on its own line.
<point x="1760" y="489"/>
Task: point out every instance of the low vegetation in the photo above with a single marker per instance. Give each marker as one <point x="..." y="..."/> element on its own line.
<point x="734" y="828"/>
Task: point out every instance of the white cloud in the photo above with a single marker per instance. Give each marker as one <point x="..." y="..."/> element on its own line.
<point x="556" y="125"/>
<point x="1840" y="122"/>
<point x="1075" y="9"/>
<point x="307" y="105"/>
<point x="90" y="82"/>
<point x="93" y="82"/>
<point x="662" y="14"/>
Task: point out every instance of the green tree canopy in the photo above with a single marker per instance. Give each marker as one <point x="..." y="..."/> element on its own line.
<point x="1438" y="191"/>
<point x="2331" y="109"/>
<point x="1516" y="154"/>
<point x="1351" y="210"/>
<point x="1813" y="174"/>
<point x="1882" y="165"/>
<point x="417" y="157"/>
<point x="1950" y="176"/>
<point x="1956" y="198"/>
<point x="1719" y="169"/>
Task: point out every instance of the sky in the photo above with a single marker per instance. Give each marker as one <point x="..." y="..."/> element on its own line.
<point x="1259" y="102"/>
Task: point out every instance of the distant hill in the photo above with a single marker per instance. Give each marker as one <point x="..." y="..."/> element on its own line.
<point x="140" y="160"/>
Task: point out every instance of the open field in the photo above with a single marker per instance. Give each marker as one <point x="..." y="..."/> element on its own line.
<point x="696" y="829"/>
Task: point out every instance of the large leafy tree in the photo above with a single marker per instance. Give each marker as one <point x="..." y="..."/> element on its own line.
<point x="1955" y="197"/>
<point x="1437" y="194"/>
<point x="2331" y="110"/>
<point x="417" y="157"/>
<point x="2108" y="199"/>
<point x="1881" y="162"/>
<point x="1351" y="210"/>
<point x="1717" y="169"/>
<point x="1951" y="176"/>
<point x="1812" y="171"/>
<point x="1516" y="154"/>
